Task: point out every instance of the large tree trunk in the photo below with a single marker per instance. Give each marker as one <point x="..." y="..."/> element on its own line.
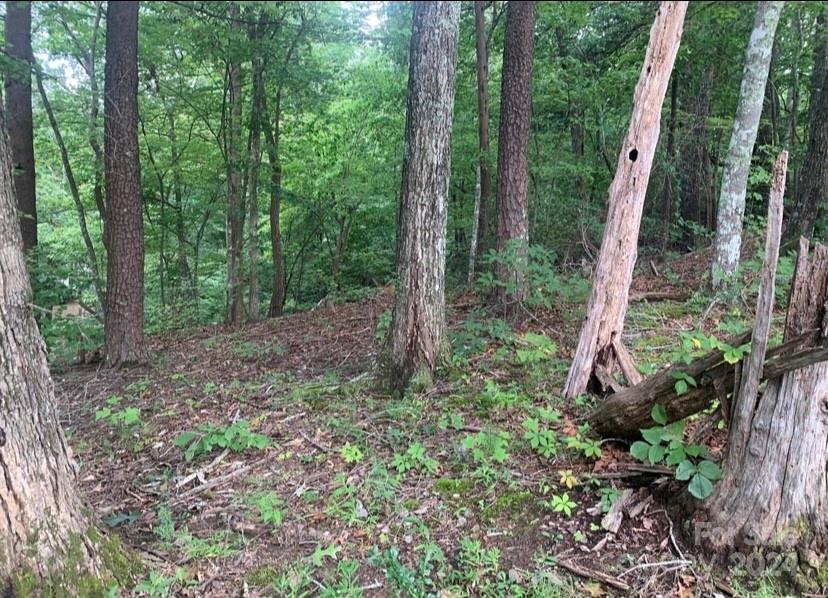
<point x="599" y="345"/>
<point x="745" y="127"/>
<point x="124" y="326"/>
<point x="235" y="189"/>
<point x="48" y="545"/>
<point x="483" y="188"/>
<point x="775" y="491"/>
<point x="513" y="156"/>
<point x="417" y="337"/>
<point x="812" y="188"/>
<point x="19" y="113"/>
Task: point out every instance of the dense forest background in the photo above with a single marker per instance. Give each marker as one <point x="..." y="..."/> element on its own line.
<point x="333" y="79"/>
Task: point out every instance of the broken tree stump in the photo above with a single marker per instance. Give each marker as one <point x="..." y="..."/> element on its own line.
<point x="774" y="492"/>
<point x="596" y="356"/>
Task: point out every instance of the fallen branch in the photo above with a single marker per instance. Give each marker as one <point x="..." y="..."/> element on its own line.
<point x="604" y="578"/>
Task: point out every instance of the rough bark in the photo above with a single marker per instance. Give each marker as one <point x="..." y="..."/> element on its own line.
<point x="512" y="237"/>
<point x="416" y="340"/>
<point x="483" y="191"/>
<point x="124" y="325"/>
<point x="812" y="188"/>
<point x="613" y="273"/>
<point x="48" y="545"/>
<point x="774" y="492"/>
<point x="745" y="127"/>
<point x="18" y="85"/>
<point x="235" y="193"/>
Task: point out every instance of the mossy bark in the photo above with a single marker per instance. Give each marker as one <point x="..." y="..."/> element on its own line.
<point x="48" y="544"/>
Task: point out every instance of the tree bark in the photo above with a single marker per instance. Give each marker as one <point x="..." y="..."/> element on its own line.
<point x="416" y="340"/>
<point x="48" y="544"/>
<point x="812" y="188"/>
<point x="613" y="273"/>
<point x="124" y="325"/>
<point x="19" y="114"/>
<point x="745" y="127"/>
<point x="669" y="175"/>
<point x="482" y="199"/>
<point x="512" y="238"/>
<point x="235" y="193"/>
<point x="774" y="492"/>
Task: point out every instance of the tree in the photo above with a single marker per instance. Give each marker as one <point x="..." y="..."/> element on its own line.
<point x="812" y="188"/>
<point x="19" y="110"/>
<point x="745" y="128"/>
<point x="235" y="191"/>
<point x="416" y="338"/>
<point x="483" y="191"/>
<point x="254" y="151"/>
<point x="512" y="236"/>
<point x="124" y="322"/>
<point x="599" y="345"/>
<point x="49" y="543"/>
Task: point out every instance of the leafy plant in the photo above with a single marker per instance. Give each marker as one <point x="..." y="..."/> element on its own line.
<point x="542" y="440"/>
<point x="269" y="505"/>
<point x="120" y="418"/>
<point x="536" y="348"/>
<point x="351" y="454"/>
<point x="236" y="437"/>
<point x="156" y="585"/>
<point x="415" y="458"/>
<point x="589" y="447"/>
<point x="563" y="504"/>
<point x="666" y="443"/>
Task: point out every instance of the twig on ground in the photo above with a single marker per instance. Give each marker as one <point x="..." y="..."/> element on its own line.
<point x="604" y="578"/>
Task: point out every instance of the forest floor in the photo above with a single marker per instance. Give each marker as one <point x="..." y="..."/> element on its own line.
<point x="259" y="461"/>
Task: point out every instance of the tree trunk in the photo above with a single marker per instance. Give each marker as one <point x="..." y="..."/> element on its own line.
<point x="745" y="127"/>
<point x="272" y="138"/>
<point x="812" y="188"/>
<point x="19" y="113"/>
<point x="482" y="199"/>
<point x="124" y="326"/>
<point x="600" y="340"/>
<point x="255" y="159"/>
<point x="513" y="156"/>
<point x="775" y="492"/>
<point x="48" y="545"/>
<point x="416" y="340"/>
<point x="235" y="193"/>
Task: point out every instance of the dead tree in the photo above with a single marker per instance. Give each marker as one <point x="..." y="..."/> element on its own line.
<point x="599" y="346"/>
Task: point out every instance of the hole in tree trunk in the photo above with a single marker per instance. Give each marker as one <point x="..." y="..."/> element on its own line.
<point x="633" y="154"/>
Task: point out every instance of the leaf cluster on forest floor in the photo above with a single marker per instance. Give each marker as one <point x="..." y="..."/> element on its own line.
<point x="260" y="458"/>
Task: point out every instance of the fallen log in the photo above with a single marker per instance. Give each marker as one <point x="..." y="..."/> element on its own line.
<point x="624" y="413"/>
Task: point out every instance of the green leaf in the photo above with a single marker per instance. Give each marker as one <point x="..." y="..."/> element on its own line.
<point x="700" y="487"/>
<point x="685" y="470"/>
<point x="653" y="435"/>
<point x="659" y="414"/>
<point x="681" y="387"/>
<point x="185" y="438"/>
<point x="640" y="450"/>
<point x="710" y="470"/>
<point x="675" y="456"/>
<point x="656" y="453"/>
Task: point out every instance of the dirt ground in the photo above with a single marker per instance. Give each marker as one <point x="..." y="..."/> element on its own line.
<point x="318" y="507"/>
